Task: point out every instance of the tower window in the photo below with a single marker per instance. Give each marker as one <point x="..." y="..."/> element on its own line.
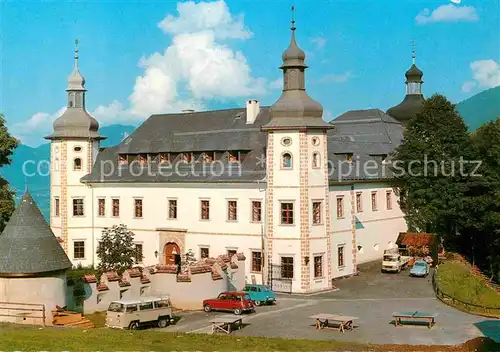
<point x="77" y="149"/>
<point x="316" y="162"/>
<point x="287" y="213"/>
<point x="77" y="164"/>
<point x="286" y="161"/>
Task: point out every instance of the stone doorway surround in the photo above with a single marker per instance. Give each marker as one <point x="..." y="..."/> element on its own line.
<point x="170" y="235"/>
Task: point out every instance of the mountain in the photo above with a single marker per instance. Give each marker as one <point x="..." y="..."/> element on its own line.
<point x="480" y="108"/>
<point x="30" y="166"/>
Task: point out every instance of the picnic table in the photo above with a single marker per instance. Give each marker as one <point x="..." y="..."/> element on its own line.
<point x="430" y="318"/>
<point x="344" y="322"/>
<point x="223" y="323"/>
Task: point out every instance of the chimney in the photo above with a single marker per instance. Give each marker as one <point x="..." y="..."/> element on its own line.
<point x="253" y="109"/>
<point x="186" y="111"/>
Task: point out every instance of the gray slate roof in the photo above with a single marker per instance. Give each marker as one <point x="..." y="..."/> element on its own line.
<point x="365" y="133"/>
<point x="28" y="245"/>
<point x="368" y="135"/>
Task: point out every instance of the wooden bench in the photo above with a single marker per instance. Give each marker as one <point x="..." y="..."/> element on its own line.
<point x="344" y="323"/>
<point x="429" y="318"/>
<point x="223" y="323"/>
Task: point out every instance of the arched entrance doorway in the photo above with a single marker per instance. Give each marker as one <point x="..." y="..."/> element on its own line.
<point x="171" y="253"/>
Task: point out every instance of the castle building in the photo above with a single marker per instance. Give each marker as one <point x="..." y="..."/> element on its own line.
<point x="292" y="192"/>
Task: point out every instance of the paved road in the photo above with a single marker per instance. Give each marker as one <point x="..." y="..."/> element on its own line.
<point x="372" y="297"/>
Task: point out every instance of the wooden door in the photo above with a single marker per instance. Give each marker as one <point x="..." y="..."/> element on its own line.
<point x="171" y="253"/>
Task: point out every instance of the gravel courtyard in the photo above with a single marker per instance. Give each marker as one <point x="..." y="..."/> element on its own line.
<point x="371" y="296"/>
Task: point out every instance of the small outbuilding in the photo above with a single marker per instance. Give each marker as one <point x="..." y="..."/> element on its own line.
<point x="419" y="244"/>
<point x="33" y="267"/>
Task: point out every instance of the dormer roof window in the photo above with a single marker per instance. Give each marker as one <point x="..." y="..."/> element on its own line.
<point x="122" y="159"/>
<point x="142" y="159"/>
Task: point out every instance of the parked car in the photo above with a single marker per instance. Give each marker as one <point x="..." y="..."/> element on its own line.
<point x="420" y="268"/>
<point x="131" y="314"/>
<point x="260" y="294"/>
<point x="394" y="261"/>
<point x="237" y="302"/>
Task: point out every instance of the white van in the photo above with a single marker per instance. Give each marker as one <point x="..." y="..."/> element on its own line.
<point x="130" y="314"/>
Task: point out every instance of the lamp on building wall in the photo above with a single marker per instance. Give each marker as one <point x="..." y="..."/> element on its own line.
<point x="306" y="259"/>
<point x="156" y="254"/>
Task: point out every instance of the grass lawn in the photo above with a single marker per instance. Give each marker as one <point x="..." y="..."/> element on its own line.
<point x="24" y="338"/>
<point x="28" y="338"/>
<point x="456" y="280"/>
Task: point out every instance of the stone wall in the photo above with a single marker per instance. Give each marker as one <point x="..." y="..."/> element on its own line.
<point x="202" y="280"/>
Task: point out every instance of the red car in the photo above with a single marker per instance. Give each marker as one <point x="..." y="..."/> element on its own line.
<point x="234" y="301"/>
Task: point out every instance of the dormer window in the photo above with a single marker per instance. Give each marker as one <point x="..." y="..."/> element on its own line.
<point x="142" y="159"/>
<point x="232" y="157"/>
<point x="186" y="157"/>
<point x="208" y="157"/>
<point x="164" y="157"/>
<point x="77" y="164"/>
<point x="122" y="159"/>
<point x="286" y="161"/>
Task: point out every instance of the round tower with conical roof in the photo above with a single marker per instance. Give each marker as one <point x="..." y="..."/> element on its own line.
<point x="298" y="219"/>
<point x="75" y="143"/>
<point x="32" y="266"/>
<point x="413" y="100"/>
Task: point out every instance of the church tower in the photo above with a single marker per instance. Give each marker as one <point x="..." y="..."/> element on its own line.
<point x="412" y="103"/>
<point x="298" y="215"/>
<point x="74" y="146"/>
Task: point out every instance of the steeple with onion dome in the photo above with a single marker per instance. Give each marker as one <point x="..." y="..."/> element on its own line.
<point x="294" y="108"/>
<point x="412" y="103"/>
<point x="75" y="122"/>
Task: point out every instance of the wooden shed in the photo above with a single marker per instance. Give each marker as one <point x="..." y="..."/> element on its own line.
<point x="419" y="244"/>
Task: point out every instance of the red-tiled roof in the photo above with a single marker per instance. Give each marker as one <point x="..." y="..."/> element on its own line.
<point x="415" y="239"/>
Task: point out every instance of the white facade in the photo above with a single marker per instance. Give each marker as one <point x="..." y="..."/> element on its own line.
<point x="154" y="229"/>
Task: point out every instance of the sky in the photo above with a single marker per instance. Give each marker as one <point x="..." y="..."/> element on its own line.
<point x="140" y="58"/>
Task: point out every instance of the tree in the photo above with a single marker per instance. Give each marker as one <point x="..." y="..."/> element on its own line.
<point x="116" y="250"/>
<point x="7" y="146"/>
<point x="483" y="227"/>
<point x="429" y="170"/>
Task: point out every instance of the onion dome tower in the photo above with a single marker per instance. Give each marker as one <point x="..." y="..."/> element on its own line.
<point x="412" y="102"/>
<point x="295" y="108"/>
<point x="75" y="122"/>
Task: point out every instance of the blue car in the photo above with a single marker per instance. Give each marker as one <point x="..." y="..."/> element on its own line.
<point x="420" y="268"/>
<point x="260" y="294"/>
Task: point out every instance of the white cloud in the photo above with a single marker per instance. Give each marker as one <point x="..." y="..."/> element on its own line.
<point x="212" y="16"/>
<point x="32" y="131"/>
<point x="319" y="42"/>
<point x="485" y="74"/>
<point x="276" y="84"/>
<point x="335" y="78"/>
<point x="447" y="13"/>
<point x="197" y="67"/>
